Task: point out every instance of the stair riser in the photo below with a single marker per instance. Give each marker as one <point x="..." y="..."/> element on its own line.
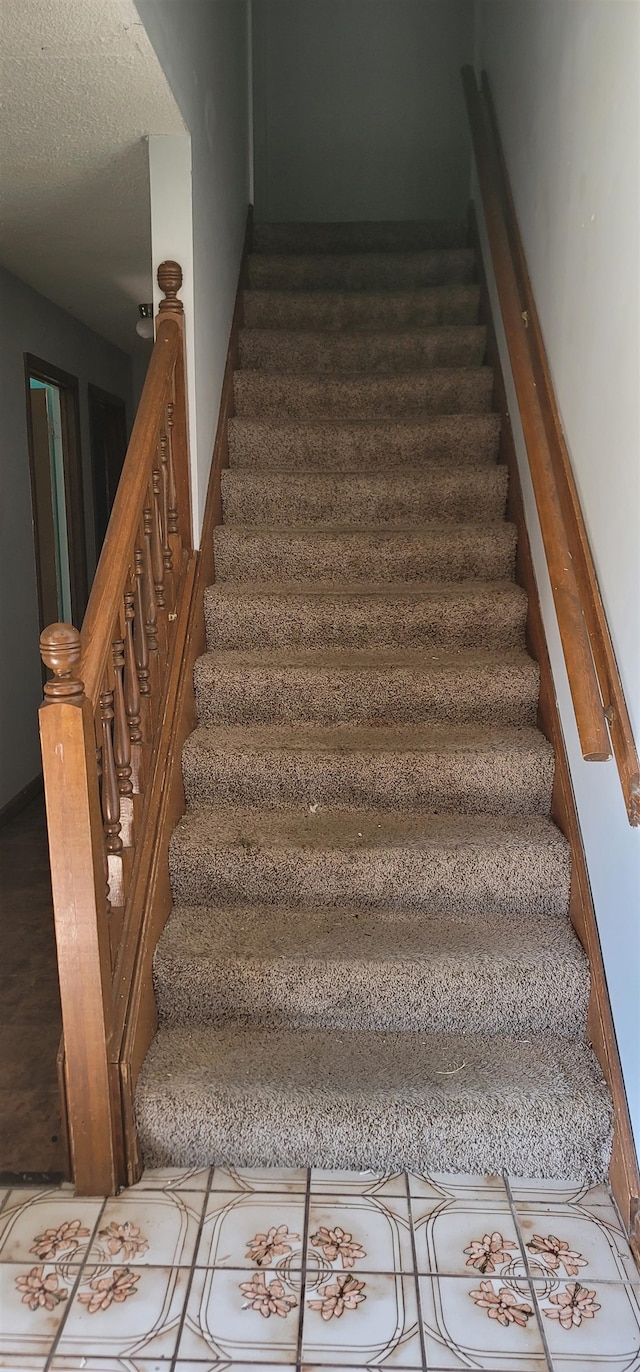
<point x="291" y="500"/>
<point x="276" y="351"/>
<point x="496" y="695"/>
<point x="366" y="447"/>
<point x="456" y="391"/>
<point x="424" y="309"/>
<point x="510" y="881"/>
<point x="365" y="271"/>
<point x="481" y="619"/>
<point x="425" y="996"/>
<point x="445" y="305"/>
<point x="445" y="554"/>
<point x="386" y="236"/>
<point x="470" y="782"/>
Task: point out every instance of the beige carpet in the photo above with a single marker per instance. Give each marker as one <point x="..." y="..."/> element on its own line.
<point x="369" y="963"/>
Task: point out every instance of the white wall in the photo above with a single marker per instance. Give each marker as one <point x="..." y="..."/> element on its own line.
<point x="566" y="83"/>
<point x="202" y="47"/>
<point x="358" y="110"/>
<point x="31" y="324"/>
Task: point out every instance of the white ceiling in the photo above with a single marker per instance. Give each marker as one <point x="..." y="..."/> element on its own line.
<point x="80" y="89"/>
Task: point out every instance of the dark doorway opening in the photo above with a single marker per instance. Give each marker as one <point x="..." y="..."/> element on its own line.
<point x="108" y="429"/>
<point x="53" y="425"/>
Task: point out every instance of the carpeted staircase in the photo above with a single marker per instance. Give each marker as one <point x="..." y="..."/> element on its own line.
<point x="369" y="963"/>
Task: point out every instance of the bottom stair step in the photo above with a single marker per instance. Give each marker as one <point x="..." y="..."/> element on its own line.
<point x="368" y="1100"/>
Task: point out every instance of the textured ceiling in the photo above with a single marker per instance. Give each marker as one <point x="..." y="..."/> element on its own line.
<point x="80" y="88"/>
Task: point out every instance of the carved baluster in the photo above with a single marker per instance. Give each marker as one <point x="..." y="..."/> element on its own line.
<point x="105" y="865"/>
<point x="140" y="633"/>
<point x="157" y="558"/>
<point x="132" y="702"/>
<point x="167" y="553"/>
<point x="122" y="745"/>
<point x="173" y="526"/>
<point x="111" y="802"/>
<point x="148" y="587"/>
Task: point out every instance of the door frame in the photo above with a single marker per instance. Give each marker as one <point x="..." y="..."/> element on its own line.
<point x="69" y="389"/>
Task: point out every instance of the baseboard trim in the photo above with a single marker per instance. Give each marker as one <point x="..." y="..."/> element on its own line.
<point x="20" y="801"/>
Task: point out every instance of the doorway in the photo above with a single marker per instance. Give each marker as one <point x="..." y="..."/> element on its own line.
<point x="108" y="429"/>
<point x="53" y="423"/>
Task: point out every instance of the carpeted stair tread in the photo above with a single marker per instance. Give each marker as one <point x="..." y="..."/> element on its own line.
<point x="365" y="309"/>
<point x="464" y="614"/>
<point x="405" y="496"/>
<point x="302" y="856"/>
<point x="461" y="769"/>
<point x="363" y="445"/>
<point x="281" y="685"/>
<point x="445" y="390"/>
<point x="350" y="969"/>
<point x="287" y="351"/>
<point x="363" y="1100"/>
<point x="360" y="271"/>
<point x="371" y="236"/>
<point x="342" y="553"/>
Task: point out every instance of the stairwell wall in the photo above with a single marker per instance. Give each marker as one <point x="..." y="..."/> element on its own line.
<point x="566" y="85"/>
<point x="203" y="50"/>
<point x="358" y="112"/>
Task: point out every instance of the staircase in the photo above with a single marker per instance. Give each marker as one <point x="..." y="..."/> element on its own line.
<point x="369" y="963"/>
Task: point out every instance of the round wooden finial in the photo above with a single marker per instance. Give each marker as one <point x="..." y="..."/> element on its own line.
<point x="61" y="650"/>
<point x="170" y="282"/>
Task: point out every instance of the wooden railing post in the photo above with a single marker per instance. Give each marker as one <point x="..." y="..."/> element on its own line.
<point x="76" y="848"/>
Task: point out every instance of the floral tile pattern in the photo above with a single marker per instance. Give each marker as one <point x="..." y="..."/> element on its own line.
<point x="357" y="1321"/>
<point x="590" y="1326"/>
<point x="347" y="1232"/>
<point x="193" y="1271"/>
<point x="158" y="1229"/>
<point x="261" y="1230"/>
<point x="46" y="1225"/>
<point x="566" y="1240"/>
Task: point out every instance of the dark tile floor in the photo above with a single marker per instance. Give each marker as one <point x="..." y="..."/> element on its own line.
<point x="30" y="1130"/>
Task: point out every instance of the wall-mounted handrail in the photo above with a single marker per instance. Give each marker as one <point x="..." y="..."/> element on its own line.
<point x="617" y="715"/>
<point x="103" y="726"/>
<point x="572" y="621"/>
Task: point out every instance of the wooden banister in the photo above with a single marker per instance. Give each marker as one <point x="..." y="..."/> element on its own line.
<point x="585" y="686"/>
<point x="103" y="726"/>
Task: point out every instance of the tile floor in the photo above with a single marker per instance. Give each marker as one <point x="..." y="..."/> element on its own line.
<point x="271" y="1269"/>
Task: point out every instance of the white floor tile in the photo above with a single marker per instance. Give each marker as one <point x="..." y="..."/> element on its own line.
<point x="590" y="1325"/>
<point x="358" y="1183"/>
<point x="119" y="1311"/>
<point x="173" y="1179"/>
<point x="278" y="1179"/>
<point x="243" y="1316"/>
<point x="348" y="1232"/>
<point x="462" y="1331"/>
<point x="158" y="1229"/>
<point x="466" y="1234"/>
<point x="352" y="1320"/>
<point x="46" y="1226"/>
<point x="253" y="1231"/>
<point x="33" y="1302"/>
<point x="575" y="1244"/>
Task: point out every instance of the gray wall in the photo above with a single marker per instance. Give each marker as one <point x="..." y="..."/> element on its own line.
<point x="566" y="83"/>
<point x="29" y="323"/>
<point x="358" y="109"/>
<point x="203" y="50"/>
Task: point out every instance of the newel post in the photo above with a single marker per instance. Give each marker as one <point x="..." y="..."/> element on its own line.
<point x="76" y="848"/>
<point x="170" y="307"/>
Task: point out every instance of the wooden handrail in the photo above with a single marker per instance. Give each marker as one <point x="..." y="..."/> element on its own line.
<point x="617" y="715"/>
<point x="103" y="729"/>
<point x="583" y="680"/>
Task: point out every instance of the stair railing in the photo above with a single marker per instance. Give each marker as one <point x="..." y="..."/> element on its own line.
<point x="598" y="699"/>
<point x="100" y="726"/>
